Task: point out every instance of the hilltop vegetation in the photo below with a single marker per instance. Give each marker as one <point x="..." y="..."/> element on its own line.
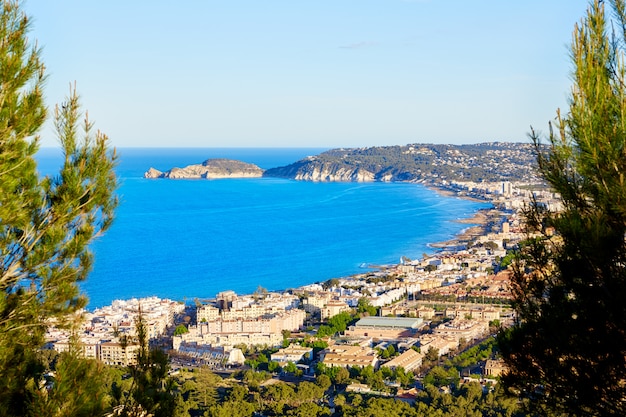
<point x="494" y="161"/>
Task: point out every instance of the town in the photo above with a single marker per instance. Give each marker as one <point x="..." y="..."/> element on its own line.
<point x="421" y="309"/>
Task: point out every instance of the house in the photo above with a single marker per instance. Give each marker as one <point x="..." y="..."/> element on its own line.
<point x="407" y="395"/>
<point x="494" y="368"/>
<point x="334" y="307"/>
<point x="293" y="353"/>
<point x="354" y="387"/>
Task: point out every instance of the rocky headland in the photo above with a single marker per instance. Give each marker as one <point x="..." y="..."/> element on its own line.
<point x="210" y="169"/>
<point x="425" y="163"/>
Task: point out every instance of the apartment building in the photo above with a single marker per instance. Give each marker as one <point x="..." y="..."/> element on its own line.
<point x="90" y="347"/>
<point x="207" y="313"/>
<point x="262" y="330"/>
<point x="409" y="360"/>
<point x="348" y="356"/>
<point x="292" y="353"/>
<point x="385" y="328"/>
<point x="314" y="303"/>
<point x="115" y="353"/>
<point x="458" y="329"/>
<point x="98" y="338"/>
<point x="441" y="344"/>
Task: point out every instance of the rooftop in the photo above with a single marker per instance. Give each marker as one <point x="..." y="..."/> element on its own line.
<point x="395" y="322"/>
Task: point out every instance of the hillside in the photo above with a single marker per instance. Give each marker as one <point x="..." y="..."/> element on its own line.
<point x="493" y="161"/>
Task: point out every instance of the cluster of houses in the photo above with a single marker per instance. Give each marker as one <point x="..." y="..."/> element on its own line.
<point x="405" y="332"/>
<point x="108" y="333"/>
<point x="234" y="320"/>
<point x="361" y="344"/>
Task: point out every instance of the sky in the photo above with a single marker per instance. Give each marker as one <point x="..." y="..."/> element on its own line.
<point x="305" y="73"/>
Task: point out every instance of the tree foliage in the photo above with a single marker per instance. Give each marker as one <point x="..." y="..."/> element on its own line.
<point x="440" y="376"/>
<point x="152" y="390"/>
<point x="46" y="224"/>
<point x="365" y="307"/>
<point x="568" y="352"/>
<point x="180" y="329"/>
<point x="78" y="388"/>
<point x="336" y="324"/>
<point x="318" y="399"/>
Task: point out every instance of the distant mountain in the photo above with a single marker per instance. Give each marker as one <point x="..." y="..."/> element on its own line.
<point x="210" y="169"/>
<point x="493" y="161"/>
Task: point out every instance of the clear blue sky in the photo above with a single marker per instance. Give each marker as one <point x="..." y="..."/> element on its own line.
<point x="304" y="73"/>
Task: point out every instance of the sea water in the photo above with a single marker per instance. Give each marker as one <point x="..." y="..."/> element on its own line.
<point x="186" y="239"/>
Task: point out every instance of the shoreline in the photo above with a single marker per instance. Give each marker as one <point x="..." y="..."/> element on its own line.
<point x="480" y="221"/>
<point x="446" y="192"/>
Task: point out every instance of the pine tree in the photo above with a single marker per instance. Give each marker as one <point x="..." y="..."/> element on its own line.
<point x="567" y="354"/>
<point x="152" y="391"/>
<point x="46" y="224"/>
<point x="78" y="387"/>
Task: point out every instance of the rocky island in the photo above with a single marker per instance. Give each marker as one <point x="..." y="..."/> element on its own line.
<point x="210" y="169"/>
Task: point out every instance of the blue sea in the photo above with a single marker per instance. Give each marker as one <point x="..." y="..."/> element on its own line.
<point x="186" y="239"/>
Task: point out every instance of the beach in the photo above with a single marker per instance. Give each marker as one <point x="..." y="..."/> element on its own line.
<point x="482" y="221"/>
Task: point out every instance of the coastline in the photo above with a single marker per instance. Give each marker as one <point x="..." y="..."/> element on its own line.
<point x="480" y="222"/>
<point x="446" y="192"/>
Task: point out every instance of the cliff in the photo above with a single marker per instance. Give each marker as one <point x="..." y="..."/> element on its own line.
<point x="210" y="169"/>
<point x="314" y="168"/>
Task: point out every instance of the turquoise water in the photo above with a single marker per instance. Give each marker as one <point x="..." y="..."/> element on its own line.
<point x="183" y="239"/>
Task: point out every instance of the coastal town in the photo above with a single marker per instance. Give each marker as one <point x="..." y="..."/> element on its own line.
<point x="422" y="308"/>
<point x="425" y="279"/>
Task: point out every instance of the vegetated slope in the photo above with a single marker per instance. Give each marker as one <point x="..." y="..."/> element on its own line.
<point x="493" y="161"/>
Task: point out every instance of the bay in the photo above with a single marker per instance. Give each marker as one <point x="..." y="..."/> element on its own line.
<point x="183" y="239"/>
